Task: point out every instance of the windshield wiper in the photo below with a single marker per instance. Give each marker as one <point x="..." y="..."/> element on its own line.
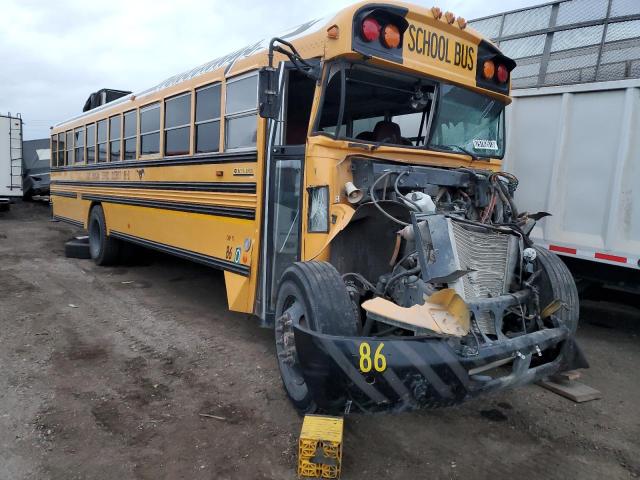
<point x="448" y="148"/>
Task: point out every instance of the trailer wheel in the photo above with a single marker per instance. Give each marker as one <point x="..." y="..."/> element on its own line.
<point x="556" y="283"/>
<point x="313" y="295"/>
<point x="103" y="248"/>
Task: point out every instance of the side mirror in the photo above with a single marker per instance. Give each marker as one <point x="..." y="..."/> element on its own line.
<point x="268" y="94"/>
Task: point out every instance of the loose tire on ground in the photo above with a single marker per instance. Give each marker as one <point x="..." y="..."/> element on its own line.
<point x="77" y="248"/>
<point x="103" y="248"/>
<point x="556" y="282"/>
<point x="313" y="295"/>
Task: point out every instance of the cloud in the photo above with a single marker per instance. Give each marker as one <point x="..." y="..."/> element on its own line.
<point x="54" y="54"/>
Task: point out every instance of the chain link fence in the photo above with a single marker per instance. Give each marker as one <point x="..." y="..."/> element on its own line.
<point x="568" y="41"/>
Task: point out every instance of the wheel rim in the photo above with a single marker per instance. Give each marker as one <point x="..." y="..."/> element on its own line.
<point x="293" y="312"/>
<point x="94" y="239"/>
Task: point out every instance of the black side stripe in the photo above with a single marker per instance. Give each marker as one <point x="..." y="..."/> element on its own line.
<point x="71" y="221"/>
<point x="400" y="388"/>
<point x="187" y="254"/>
<point x="234" y="212"/>
<point x="452" y="362"/>
<point x="243" y="157"/>
<point x="231" y="187"/>
<point x="63" y="194"/>
<point x="427" y="372"/>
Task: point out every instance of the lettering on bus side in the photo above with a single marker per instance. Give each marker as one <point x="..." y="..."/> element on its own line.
<point x="436" y="46"/>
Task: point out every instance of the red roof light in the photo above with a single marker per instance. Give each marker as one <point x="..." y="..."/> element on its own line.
<point x="503" y="74"/>
<point x="370" y="29"/>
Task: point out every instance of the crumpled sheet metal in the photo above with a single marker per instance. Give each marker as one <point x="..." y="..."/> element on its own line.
<point x="443" y="313"/>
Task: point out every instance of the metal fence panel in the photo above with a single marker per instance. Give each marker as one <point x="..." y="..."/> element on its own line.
<point x="581" y="11"/>
<point x="585" y="40"/>
<point x="526" y="20"/>
<point x="625" y="7"/>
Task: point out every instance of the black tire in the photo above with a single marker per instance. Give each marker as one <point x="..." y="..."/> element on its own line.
<point x="103" y="248"/>
<point x="556" y="282"/>
<point x="77" y="248"/>
<point x="313" y="294"/>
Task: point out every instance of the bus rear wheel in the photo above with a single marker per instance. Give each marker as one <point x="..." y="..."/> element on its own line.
<point x="103" y="248"/>
<point x="313" y="295"/>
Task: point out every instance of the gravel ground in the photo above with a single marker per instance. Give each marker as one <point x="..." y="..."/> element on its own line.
<point x="104" y="372"/>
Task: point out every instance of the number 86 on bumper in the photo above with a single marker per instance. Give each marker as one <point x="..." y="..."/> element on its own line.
<point x="368" y="362"/>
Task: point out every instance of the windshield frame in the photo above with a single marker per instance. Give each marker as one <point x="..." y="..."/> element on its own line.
<point x="343" y="64"/>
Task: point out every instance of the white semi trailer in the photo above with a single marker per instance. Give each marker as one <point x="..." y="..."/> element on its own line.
<point x="576" y="150"/>
<point x="10" y="158"/>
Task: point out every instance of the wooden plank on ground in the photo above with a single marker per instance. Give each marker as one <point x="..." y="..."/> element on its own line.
<point x="569" y="375"/>
<point x="576" y="391"/>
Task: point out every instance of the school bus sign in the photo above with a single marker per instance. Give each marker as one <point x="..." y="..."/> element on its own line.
<point x="438" y="47"/>
<point x="429" y="43"/>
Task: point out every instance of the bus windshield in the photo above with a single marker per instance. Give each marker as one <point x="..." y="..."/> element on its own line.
<point x="384" y="107"/>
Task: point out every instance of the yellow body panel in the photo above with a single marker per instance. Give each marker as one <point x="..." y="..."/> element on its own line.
<point x="189" y="231"/>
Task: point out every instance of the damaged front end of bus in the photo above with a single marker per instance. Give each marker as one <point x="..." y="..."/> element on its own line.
<point x="430" y="291"/>
<point x="441" y="296"/>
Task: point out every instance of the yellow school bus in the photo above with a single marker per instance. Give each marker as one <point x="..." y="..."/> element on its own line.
<point x="346" y="177"/>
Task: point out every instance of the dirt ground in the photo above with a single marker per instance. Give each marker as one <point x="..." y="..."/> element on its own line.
<point x="104" y="372"/>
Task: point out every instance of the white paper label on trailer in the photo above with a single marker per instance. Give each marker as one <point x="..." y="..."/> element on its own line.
<point x="480" y="144"/>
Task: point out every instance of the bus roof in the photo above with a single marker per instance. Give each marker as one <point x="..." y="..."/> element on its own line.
<point x="254" y="54"/>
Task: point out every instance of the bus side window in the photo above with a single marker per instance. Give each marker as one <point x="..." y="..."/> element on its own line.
<point x="208" y="118"/>
<point x="54" y="150"/>
<point x="61" y="149"/>
<point x="130" y="134"/>
<point x="241" y="112"/>
<point x="298" y="107"/>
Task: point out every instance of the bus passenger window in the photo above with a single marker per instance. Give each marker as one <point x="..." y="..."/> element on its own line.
<point x="61" y="149"/>
<point x="241" y="117"/>
<point x="130" y="134"/>
<point x="91" y="143"/>
<point x="54" y="150"/>
<point x="114" y="139"/>
<point x="177" y="125"/>
<point x="208" y="119"/>
<point x="69" y="148"/>
<point x="102" y="141"/>
<point x="150" y="129"/>
<point x="79" y="145"/>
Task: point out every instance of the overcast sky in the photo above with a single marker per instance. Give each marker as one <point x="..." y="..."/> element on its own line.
<point x="53" y="54"/>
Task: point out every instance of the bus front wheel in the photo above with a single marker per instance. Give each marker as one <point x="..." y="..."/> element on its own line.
<point x="313" y="295"/>
<point x="103" y="248"/>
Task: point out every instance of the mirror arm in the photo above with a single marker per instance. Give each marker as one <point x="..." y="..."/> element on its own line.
<point x="292" y="54"/>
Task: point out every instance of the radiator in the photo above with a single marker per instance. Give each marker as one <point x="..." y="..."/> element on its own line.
<point x="492" y="256"/>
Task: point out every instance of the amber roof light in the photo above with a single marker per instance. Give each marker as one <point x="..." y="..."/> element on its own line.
<point x="488" y="69"/>
<point x="391" y="36"/>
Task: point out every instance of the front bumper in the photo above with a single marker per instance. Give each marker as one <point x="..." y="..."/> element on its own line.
<point x="425" y="372"/>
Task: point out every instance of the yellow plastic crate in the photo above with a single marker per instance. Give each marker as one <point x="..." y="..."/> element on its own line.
<point x="320" y="447"/>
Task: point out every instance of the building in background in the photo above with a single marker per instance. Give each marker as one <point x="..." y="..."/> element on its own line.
<point x="572" y="130"/>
